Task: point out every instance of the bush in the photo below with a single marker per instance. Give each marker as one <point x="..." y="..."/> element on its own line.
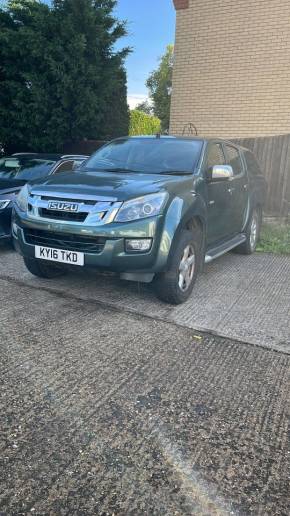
<point x="141" y="123"/>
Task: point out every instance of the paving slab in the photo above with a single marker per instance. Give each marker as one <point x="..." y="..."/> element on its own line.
<point x="112" y="413"/>
<point x="241" y="297"/>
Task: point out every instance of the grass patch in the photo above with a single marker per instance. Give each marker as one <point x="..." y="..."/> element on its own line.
<point x="275" y="239"/>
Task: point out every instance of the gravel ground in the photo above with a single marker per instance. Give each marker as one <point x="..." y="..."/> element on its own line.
<point x="107" y="412"/>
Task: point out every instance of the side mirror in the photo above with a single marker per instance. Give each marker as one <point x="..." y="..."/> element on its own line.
<point x="220" y="173"/>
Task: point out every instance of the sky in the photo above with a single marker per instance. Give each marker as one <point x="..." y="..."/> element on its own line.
<point x="151" y="27"/>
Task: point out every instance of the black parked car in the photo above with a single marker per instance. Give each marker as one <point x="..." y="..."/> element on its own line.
<point x="19" y="169"/>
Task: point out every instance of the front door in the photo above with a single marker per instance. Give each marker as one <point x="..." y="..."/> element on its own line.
<point x="219" y="199"/>
<point x="238" y="188"/>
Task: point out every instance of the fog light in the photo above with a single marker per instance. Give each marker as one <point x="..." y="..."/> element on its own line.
<point x="138" y="245"/>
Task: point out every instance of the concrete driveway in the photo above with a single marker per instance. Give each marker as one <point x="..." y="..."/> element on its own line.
<point x="105" y="412"/>
<point x="246" y="298"/>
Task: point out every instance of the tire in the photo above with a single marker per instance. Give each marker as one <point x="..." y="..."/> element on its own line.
<point x="252" y="233"/>
<point x="10" y="244"/>
<point x="7" y="242"/>
<point x="175" y="285"/>
<point x="41" y="269"/>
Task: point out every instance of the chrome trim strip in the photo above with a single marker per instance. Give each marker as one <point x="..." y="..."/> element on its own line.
<point x="209" y="258"/>
<point x="95" y="207"/>
<point x="102" y="210"/>
<point x="71" y="195"/>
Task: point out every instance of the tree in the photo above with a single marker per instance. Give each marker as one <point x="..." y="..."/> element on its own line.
<point x="116" y="117"/>
<point x="145" y="107"/>
<point x="159" y="84"/>
<point x="60" y="78"/>
<point x="140" y="123"/>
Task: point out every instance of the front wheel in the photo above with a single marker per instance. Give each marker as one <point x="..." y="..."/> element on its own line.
<point x="252" y="233"/>
<point x="175" y="285"/>
<point x="42" y="269"/>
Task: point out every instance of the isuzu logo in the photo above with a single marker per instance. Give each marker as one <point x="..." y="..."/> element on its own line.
<point x="62" y="206"/>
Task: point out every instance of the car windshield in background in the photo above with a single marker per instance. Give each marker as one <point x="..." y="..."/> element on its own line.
<point x="154" y="156"/>
<point x="25" y="169"/>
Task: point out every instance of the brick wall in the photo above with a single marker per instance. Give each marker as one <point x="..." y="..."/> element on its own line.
<point x="232" y="67"/>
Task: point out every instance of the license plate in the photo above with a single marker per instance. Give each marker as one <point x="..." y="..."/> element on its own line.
<point x="59" y="255"/>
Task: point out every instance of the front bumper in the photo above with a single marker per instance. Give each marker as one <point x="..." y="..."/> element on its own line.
<point x="113" y="256"/>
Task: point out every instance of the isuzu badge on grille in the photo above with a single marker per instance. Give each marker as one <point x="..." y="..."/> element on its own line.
<point x="62" y="206"/>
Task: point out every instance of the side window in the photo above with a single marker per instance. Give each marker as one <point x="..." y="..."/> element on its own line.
<point x="77" y="163"/>
<point x="65" y="166"/>
<point x="234" y="159"/>
<point x="215" y="156"/>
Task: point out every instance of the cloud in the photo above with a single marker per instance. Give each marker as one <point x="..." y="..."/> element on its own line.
<point x="135" y="99"/>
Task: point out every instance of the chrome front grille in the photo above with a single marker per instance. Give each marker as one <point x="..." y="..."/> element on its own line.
<point x="92" y="210"/>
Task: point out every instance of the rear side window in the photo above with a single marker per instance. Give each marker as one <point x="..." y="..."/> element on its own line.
<point x="233" y="158"/>
<point x="65" y="166"/>
<point x="252" y="164"/>
<point x="215" y="156"/>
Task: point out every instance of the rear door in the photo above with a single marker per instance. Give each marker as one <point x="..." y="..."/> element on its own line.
<point x="219" y="199"/>
<point x="237" y="187"/>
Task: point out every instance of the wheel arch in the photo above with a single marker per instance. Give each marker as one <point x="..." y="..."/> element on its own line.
<point x="190" y="222"/>
<point x="184" y="213"/>
<point x="193" y="223"/>
<point x="255" y="201"/>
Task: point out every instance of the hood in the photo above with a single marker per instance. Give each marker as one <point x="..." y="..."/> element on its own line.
<point x="118" y="186"/>
<point x="10" y="185"/>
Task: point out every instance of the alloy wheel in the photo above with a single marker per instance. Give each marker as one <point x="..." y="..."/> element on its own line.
<point x="254" y="231"/>
<point x="186" y="268"/>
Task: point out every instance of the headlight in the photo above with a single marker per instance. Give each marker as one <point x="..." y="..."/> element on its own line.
<point x="4" y="203"/>
<point x="22" y="198"/>
<point x="141" y="208"/>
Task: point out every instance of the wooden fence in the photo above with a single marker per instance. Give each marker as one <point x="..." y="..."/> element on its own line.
<point x="273" y="154"/>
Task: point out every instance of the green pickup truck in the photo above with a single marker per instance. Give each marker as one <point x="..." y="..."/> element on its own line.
<point x="153" y="209"/>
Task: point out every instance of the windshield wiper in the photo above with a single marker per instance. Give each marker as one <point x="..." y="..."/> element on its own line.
<point x="176" y="172"/>
<point x="121" y="169"/>
<point x="113" y="169"/>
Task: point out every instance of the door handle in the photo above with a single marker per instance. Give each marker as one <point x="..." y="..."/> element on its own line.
<point x="246" y="187"/>
<point x="230" y="190"/>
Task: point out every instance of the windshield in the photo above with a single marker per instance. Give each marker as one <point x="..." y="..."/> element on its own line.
<point x="25" y="168"/>
<point x="154" y="156"/>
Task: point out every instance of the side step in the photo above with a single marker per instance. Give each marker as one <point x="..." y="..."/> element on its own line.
<point x="215" y="252"/>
